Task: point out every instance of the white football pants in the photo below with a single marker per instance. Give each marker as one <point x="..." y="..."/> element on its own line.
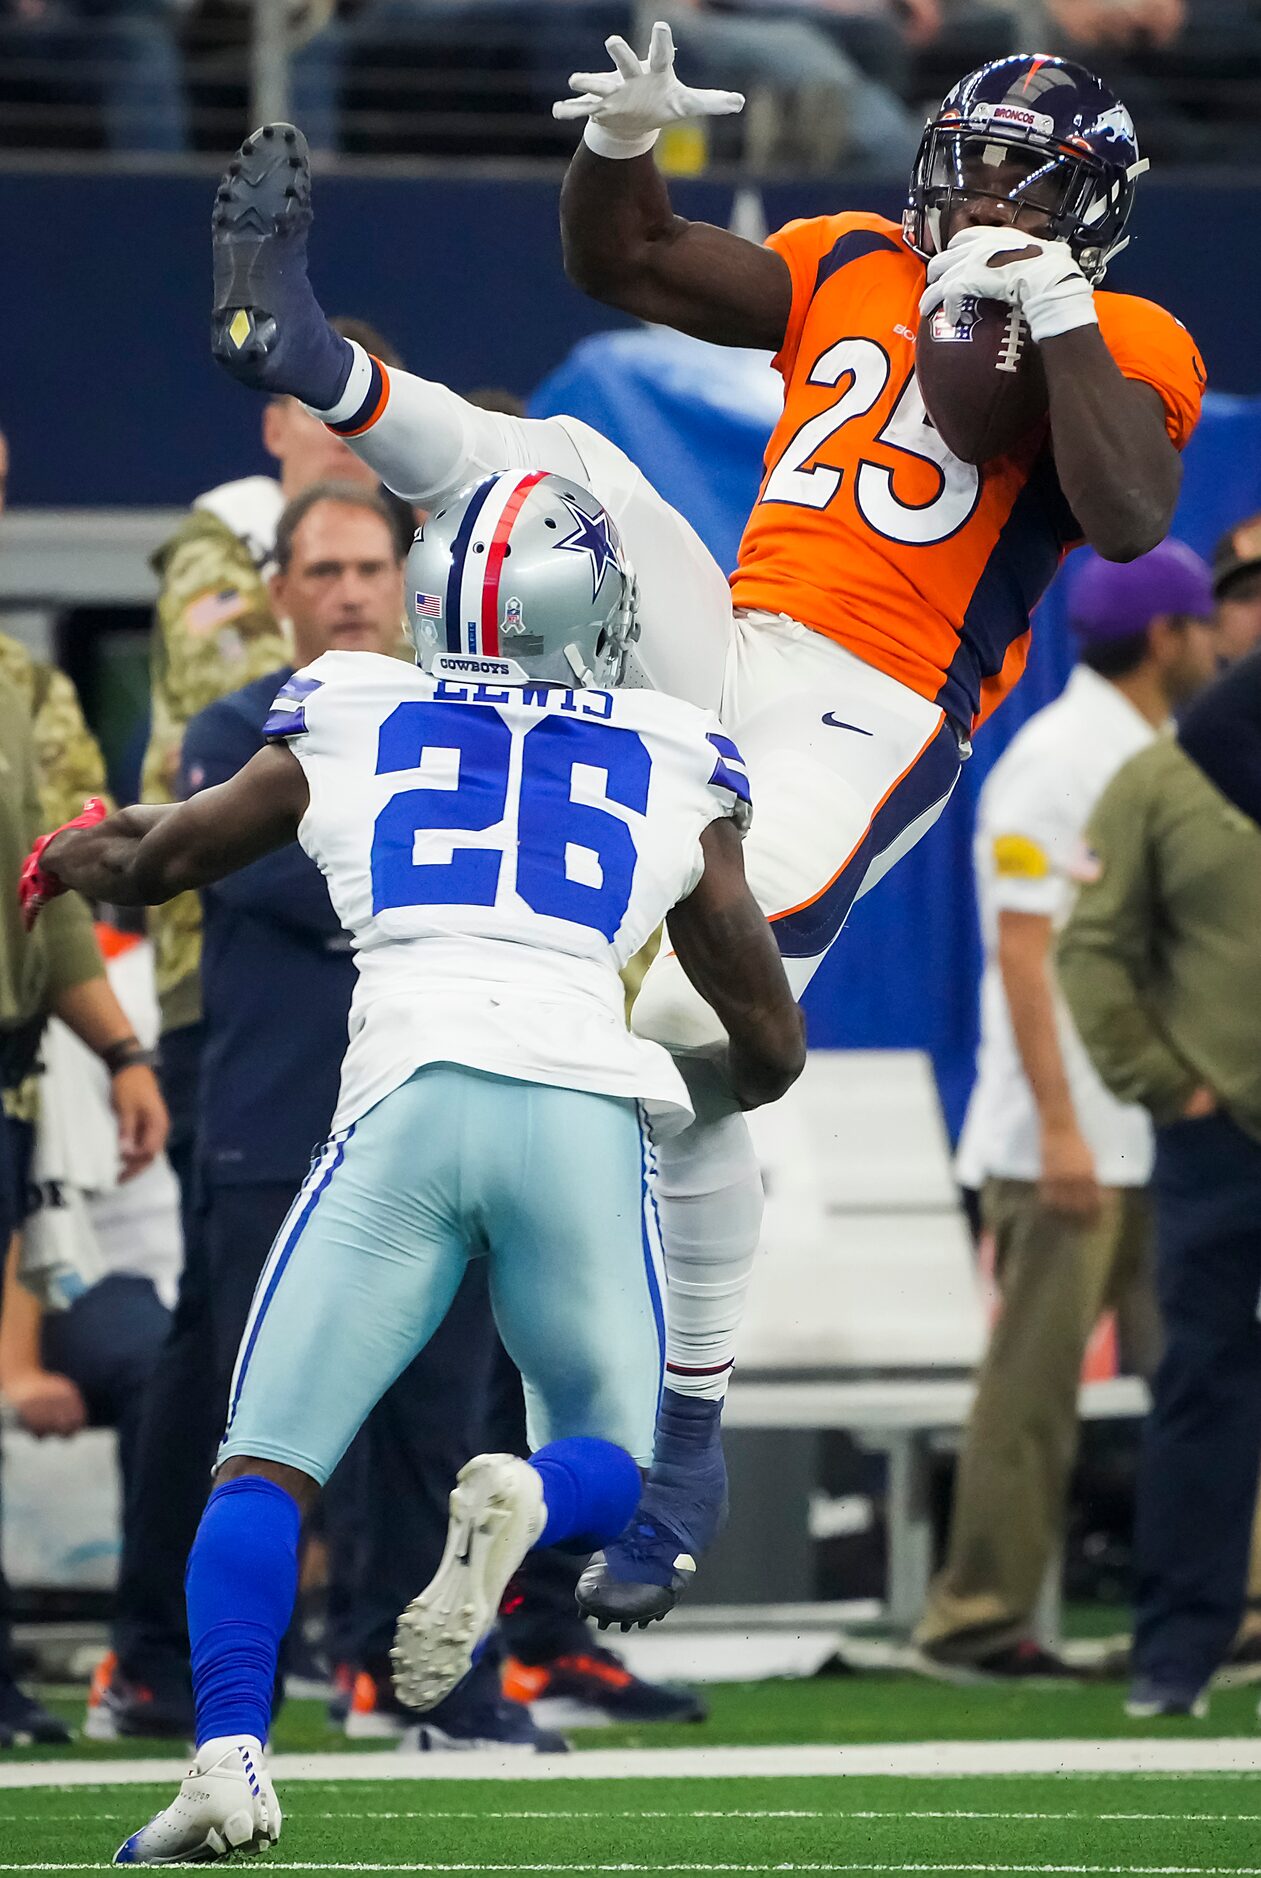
<point x="848" y="769"/>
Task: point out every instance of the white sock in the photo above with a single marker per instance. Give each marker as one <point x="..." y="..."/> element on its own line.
<point x="709" y="1197"/>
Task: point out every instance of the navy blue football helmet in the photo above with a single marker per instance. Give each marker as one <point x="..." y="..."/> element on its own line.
<point x="1083" y="154"/>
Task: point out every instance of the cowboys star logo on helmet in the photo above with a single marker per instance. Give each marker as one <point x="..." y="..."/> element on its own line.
<point x="555" y="624"/>
<point x="590" y="537"/>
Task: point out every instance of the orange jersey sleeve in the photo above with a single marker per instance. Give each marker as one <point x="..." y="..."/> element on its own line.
<point x="1153" y="347"/>
<point x="804" y="246"/>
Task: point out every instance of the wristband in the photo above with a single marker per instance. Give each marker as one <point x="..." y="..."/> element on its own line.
<point x="604" y="143"/>
<point x="127" y="1053"/>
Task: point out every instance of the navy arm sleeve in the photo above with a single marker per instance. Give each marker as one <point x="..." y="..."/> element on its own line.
<point x="285" y="886"/>
<point x="1221" y="733"/>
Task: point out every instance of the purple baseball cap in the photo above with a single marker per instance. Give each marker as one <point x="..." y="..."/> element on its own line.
<point x="1116" y="599"/>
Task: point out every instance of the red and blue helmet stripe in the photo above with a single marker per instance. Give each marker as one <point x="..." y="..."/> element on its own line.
<point x="472" y="606"/>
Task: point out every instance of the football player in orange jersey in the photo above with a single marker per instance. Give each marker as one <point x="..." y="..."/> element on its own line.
<point x="883" y="589"/>
<point x="881" y="604"/>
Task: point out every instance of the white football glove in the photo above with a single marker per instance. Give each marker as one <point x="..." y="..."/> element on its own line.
<point x="1048" y="287"/>
<point x="626" y="109"/>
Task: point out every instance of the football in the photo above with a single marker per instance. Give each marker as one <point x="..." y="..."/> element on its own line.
<point x="981" y="380"/>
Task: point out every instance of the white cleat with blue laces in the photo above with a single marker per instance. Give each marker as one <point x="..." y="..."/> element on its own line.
<point x="226" y="1807"/>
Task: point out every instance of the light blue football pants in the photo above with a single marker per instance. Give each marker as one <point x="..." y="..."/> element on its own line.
<point x="553" y="1186"/>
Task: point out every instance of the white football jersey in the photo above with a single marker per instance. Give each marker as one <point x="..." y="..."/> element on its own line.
<point x="498" y="853"/>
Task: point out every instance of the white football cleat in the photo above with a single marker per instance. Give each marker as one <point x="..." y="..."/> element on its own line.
<point x="497" y="1513"/>
<point x="226" y="1806"/>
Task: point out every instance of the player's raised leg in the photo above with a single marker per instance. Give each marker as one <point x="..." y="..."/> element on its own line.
<point x="267" y="328"/>
<point x="563" y="1183"/>
<point x="841" y="793"/>
<point x="709" y="1208"/>
<point x="269" y="331"/>
<point x="425" y="442"/>
<point x="362" y="1273"/>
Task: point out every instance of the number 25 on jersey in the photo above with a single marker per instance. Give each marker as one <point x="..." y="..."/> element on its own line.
<point x="907" y="430"/>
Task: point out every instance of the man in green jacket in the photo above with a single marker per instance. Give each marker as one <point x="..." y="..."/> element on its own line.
<point x="1161" y="966"/>
<point x="56" y="970"/>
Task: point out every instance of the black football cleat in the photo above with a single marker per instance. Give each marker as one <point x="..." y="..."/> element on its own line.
<point x="267" y="328"/>
<point x="642" y="1574"/>
<point x="637" y="1580"/>
<point x="24" y="1722"/>
<point x="589" y="1686"/>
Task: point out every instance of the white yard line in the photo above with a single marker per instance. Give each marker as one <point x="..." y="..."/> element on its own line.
<point x="911" y="1759"/>
<point x="803" y="1865"/>
<point x="42" y="1817"/>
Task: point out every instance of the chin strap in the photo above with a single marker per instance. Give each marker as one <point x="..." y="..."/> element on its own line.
<point x="581" y="671"/>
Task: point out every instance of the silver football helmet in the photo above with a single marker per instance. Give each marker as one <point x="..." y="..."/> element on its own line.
<point x="522" y="577"/>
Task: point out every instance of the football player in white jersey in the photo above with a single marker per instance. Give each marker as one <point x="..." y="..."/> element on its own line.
<point x="501" y="830"/>
<point x="425" y="442"/>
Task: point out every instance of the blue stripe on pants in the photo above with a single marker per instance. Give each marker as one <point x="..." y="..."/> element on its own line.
<point x="331" y="1156"/>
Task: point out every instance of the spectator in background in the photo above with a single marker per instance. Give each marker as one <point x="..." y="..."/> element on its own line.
<point x="122" y="56"/>
<point x="215" y="631"/>
<point x="1063" y="1165"/>
<point x="216" y="612"/>
<point x="50" y="971"/>
<point x="829" y="110"/>
<point x="811" y="102"/>
<point x="1237" y="589"/>
<point x="274" y="947"/>
<point x="1161" y="966"/>
<point x="86" y="1290"/>
<point x="1175" y="62"/>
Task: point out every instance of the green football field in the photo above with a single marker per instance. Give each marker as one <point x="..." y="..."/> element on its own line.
<point x="782" y="1778"/>
<point x="883" y="1825"/>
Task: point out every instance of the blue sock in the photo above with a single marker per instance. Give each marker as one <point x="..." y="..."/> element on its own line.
<point x="590" y="1488"/>
<point x="687" y="1483"/>
<point x="240" y="1585"/>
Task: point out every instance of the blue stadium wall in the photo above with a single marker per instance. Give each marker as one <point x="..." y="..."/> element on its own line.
<point x="109" y="397"/>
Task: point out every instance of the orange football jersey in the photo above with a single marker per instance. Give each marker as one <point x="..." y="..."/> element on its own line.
<point x="866" y="527"/>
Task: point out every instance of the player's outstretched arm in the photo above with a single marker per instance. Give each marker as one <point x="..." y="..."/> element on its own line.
<point x="145" y="855"/>
<point x="623" y="242"/>
<point x="727" y="949"/>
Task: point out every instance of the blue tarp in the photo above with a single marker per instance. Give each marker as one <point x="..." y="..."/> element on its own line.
<point x="696" y="418"/>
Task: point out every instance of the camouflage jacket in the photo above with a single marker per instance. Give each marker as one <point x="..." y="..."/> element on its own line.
<point x="214" y="632"/>
<point x="61" y="952"/>
<point x="68" y="761"/>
